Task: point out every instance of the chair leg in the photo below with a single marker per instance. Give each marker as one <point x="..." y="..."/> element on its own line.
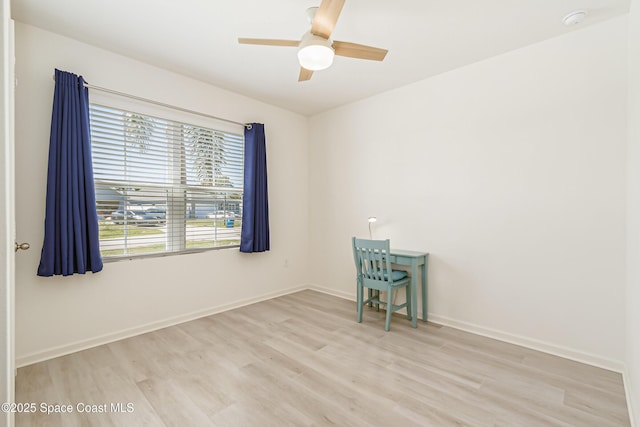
<point x="387" y="324"/>
<point x="408" y="292"/>
<point x="374" y="294"/>
<point x="359" y="302"/>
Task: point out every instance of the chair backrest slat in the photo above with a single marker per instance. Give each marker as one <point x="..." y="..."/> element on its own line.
<point x="372" y="260"/>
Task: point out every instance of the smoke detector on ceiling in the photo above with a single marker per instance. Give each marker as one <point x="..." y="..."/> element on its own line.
<point x="575" y="17"/>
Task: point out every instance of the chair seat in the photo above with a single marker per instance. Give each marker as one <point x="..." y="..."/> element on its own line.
<point x="396" y="275"/>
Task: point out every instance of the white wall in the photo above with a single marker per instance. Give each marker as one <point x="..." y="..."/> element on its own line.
<point x="511" y="173"/>
<point x="58" y="315"/>
<point x="632" y="377"/>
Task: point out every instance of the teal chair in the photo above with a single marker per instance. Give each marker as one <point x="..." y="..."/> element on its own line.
<point x="373" y="270"/>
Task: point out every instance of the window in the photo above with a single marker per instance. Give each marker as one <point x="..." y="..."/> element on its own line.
<point x="163" y="186"/>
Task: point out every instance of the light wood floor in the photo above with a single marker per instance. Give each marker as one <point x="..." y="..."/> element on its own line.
<point x="302" y="360"/>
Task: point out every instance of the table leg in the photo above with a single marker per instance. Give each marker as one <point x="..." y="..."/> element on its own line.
<point x="424" y="289"/>
<point x="414" y="293"/>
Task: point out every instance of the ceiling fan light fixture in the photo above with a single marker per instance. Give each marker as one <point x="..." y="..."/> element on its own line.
<point x="315" y="52"/>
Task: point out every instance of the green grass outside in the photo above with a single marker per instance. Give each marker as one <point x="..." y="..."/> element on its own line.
<point x="191" y="244"/>
<point x="134" y="251"/>
<point x="109" y="231"/>
<point x="207" y="222"/>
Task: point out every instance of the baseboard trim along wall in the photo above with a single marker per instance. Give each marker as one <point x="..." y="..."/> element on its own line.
<point x="545" y="347"/>
<point x="627" y="392"/>
<point x="63" y="350"/>
<point x="333" y="292"/>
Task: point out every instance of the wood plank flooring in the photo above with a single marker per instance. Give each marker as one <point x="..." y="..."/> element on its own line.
<point x="303" y="360"/>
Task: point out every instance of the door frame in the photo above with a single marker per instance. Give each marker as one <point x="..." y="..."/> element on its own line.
<point x="7" y="215"/>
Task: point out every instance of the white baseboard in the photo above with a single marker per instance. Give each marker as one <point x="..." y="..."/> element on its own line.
<point x="333" y="292"/>
<point x="565" y="352"/>
<point x="627" y="391"/>
<point x="545" y="347"/>
<point x="63" y="350"/>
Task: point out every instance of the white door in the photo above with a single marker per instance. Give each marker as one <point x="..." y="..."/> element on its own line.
<point x="7" y="217"/>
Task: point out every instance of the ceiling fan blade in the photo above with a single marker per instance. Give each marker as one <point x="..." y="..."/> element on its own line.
<point x="360" y="51"/>
<point x="269" y="42"/>
<point x="326" y="17"/>
<point x="305" y="74"/>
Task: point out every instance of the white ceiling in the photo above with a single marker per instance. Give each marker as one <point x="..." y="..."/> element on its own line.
<point x="198" y="38"/>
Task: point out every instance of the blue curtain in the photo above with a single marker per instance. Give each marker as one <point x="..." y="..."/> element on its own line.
<point x="255" y="204"/>
<point x="71" y="241"/>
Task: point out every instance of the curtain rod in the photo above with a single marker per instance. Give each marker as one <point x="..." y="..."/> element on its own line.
<point x="162" y="104"/>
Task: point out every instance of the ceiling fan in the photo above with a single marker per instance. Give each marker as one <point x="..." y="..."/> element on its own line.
<point x="316" y="49"/>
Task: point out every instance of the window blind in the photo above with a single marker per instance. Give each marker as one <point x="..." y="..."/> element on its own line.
<point x="164" y="186"/>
